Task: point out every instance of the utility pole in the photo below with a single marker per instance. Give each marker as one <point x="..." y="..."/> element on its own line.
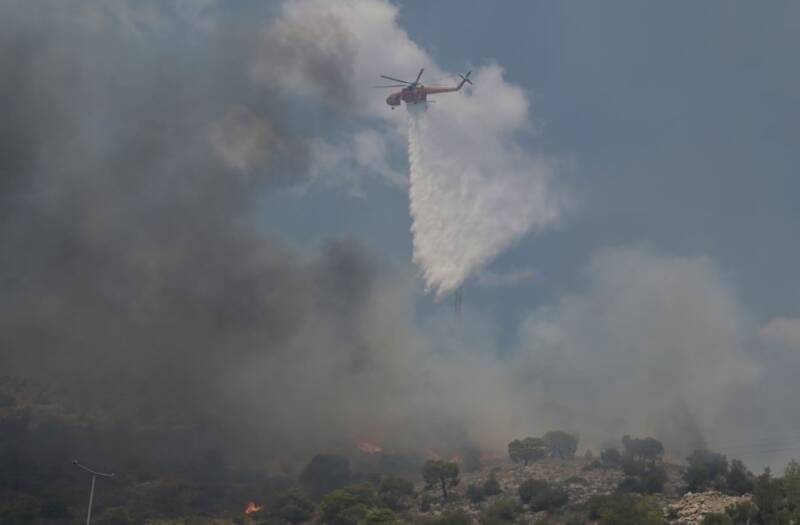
<point x="94" y="474"/>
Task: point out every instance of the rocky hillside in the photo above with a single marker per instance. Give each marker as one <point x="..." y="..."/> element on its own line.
<point x="580" y="478"/>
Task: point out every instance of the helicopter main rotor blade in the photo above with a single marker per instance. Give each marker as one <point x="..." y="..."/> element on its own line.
<point x="419" y="76"/>
<point x="392" y="86"/>
<point x="394" y="79"/>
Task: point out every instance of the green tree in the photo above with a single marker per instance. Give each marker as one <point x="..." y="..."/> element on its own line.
<point x="395" y="492"/>
<point x="768" y="497"/>
<point x="292" y="506"/>
<point x="349" y="505"/>
<point x="445" y="473"/>
<point x="739" y="480"/>
<point x="526" y="450"/>
<point x="791" y="486"/>
<point x="561" y="444"/>
<point x="705" y="469"/>
<point x="642" y="450"/>
<point x="325" y="473"/>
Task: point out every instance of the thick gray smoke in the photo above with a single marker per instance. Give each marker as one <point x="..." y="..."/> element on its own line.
<point x="138" y="143"/>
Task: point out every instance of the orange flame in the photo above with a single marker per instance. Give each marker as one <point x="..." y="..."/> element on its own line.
<point x="252" y="508"/>
<point x="369" y="448"/>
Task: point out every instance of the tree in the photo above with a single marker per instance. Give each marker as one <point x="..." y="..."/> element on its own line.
<point x="610" y="457"/>
<point x="292" y="506"/>
<point x="527" y="450"/>
<point x="395" y="492"/>
<point x="642" y="450"/>
<point x="439" y="471"/>
<point x="348" y="506"/>
<point x="325" y="473"/>
<point x="561" y="444"/>
<point x="768" y="497"/>
<point x="739" y="480"/>
<point x="705" y="469"/>
<point x="791" y="485"/>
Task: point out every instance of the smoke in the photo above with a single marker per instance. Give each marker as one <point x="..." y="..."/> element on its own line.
<point x="140" y="282"/>
<point x="139" y="144"/>
<point x="655" y="345"/>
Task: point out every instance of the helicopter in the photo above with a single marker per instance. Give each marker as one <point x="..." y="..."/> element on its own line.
<point x="416" y="93"/>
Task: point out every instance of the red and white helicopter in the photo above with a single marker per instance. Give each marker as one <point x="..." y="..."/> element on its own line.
<point x="416" y="93"/>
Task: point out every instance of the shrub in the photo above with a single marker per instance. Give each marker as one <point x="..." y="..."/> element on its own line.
<point x="475" y="493"/>
<point x="625" y="509"/>
<point x="541" y="495"/>
<point x="395" y="492"/>
<point x="500" y="513"/>
<point x="717" y="519"/>
<point x="348" y="506"/>
<point x="381" y="517"/>
<point x="744" y="512"/>
<point x="706" y="469"/>
<point x="576" y="480"/>
<point x="642" y="450"/>
<point x="768" y="496"/>
<point x="739" y="480"/>
<point x="445" y="473"/>
<point x="491" y="487"/>
<point x="526" y="450"/>
<point x="645" y="480"/>
<point x="292" y="506"/>
<point x="561" y="444"/>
